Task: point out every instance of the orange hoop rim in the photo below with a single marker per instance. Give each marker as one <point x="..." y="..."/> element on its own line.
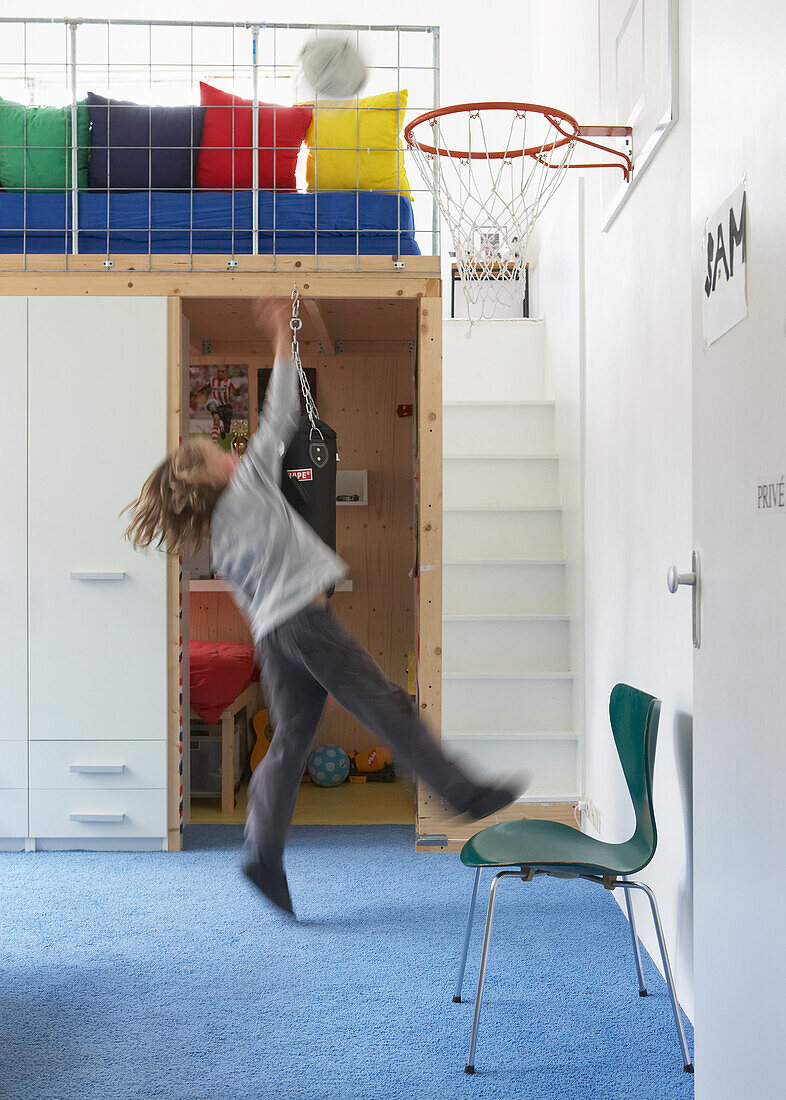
<point x="501" y="105"/>
<point x="572" y="133"/>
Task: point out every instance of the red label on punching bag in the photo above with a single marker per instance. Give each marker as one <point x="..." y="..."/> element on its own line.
<point x="301" y="475"/>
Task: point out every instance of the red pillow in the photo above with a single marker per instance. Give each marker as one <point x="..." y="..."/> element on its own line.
<point x="281" y="133"/>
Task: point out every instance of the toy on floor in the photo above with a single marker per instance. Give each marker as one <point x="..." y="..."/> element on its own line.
<point x="264" y="737"/>
<point x="328" y="766"/>
<point x="371" y="766"/>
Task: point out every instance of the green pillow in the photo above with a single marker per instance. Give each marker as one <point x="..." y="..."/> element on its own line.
<point x="42" y="137"/>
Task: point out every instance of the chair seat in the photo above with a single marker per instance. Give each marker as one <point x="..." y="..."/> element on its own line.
<point x="550" y="845"/>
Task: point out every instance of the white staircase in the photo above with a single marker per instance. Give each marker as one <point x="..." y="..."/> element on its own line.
<point x="507" y="690"/>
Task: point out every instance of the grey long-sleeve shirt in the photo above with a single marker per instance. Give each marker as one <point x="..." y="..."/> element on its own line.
<point x="274" y="561"/>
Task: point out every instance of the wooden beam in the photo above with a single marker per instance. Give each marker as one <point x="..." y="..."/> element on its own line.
<point x="142" y="263"/>
<point x="429" y="474"/>
<point x="435" y="820"/>
<point x="207" y="284"/>
<point x="237" y="351"/>
<point x="174" y="638"/>
<point x="318" y="322"/>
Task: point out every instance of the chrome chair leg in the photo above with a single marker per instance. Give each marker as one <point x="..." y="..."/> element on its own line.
<point x="467" y="936"/>
<point x="687" y="1064"/>
<point x="470" y="1066"/>
<point x="635" y="938"/>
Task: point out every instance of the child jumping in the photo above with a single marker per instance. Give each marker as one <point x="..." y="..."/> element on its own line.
<point x="280" y="571"/>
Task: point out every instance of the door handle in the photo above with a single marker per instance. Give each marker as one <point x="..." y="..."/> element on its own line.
<point x="105" y="575"/>
<point x="97" y="769"/>
<point x="116" y="818"/>
<point x="675" y="579"/>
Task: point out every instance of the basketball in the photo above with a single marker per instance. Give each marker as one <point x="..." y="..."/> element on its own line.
<point x="333" y="67"/>
<point x="328" y="766"/>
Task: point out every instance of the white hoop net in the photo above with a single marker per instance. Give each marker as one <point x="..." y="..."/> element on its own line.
<point x="492" y="169"/>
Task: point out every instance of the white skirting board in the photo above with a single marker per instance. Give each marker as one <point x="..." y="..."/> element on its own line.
<point x="100" y="844"/>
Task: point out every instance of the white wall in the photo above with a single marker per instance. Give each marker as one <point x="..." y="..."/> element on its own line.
<point x="637" y="459"/>
<point x="481" y="58"/>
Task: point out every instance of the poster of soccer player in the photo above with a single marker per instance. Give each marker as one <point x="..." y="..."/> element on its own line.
<point x="218" y="402"/>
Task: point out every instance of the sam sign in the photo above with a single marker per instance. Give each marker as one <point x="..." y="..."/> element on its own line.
<point x="724" y="295"/>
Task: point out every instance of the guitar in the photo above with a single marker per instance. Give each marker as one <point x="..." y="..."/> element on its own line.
<point x="264" y="737"/>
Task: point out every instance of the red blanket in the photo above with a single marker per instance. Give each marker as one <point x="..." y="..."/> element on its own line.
<point x="220" y="671"/>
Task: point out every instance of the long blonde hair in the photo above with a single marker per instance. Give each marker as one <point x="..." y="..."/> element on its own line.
<point x="175" y="503"/>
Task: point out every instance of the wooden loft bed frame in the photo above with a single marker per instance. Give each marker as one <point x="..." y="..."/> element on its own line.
<point x="180" y="279"/>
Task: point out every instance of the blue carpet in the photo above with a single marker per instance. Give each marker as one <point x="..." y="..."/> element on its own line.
<point x="133" y="976"/>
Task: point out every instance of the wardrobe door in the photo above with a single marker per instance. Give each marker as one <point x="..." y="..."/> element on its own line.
<point x="98" y="406"/>
<point x="13" y="574"/>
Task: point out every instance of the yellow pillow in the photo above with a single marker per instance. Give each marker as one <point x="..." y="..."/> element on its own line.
<point x="358" y="146"/>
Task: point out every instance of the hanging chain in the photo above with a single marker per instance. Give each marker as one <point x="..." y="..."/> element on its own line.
<point x="295" y="324"/>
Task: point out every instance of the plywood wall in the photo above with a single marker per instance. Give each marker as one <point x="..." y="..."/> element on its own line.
<point x="358" y="394"/>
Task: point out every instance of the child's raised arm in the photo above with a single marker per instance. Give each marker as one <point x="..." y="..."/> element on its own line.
<point x="280" y="414"/>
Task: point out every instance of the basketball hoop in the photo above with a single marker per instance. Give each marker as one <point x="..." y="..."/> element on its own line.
<point x="492" y="168"/>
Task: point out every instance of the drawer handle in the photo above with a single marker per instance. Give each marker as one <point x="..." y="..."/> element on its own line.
<point x="97" y="769"/>
<point x="109" y="575"/>
<point x="97" y="817"/>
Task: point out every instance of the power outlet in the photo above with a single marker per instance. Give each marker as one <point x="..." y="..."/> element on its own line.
<point x="591" y="813"/>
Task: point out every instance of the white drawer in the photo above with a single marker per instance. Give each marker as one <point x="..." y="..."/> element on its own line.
<point x="88" y="814"/>
<point x="13" y="813"/>
<point x="97" y="765"/>
<point x="13" y="765"/>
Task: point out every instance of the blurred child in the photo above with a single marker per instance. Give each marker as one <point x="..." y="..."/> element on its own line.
<point x="280" y="570"/>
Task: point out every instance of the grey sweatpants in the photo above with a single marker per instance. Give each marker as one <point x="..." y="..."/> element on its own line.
<point x="303" y="661"/>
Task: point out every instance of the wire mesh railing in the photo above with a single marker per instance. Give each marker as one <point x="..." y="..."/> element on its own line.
<point x="200" y="141"/>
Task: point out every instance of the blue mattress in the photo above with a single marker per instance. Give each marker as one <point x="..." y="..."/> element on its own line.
<point x="326" y="222"/>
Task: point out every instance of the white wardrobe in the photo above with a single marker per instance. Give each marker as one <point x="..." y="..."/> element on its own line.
<point x="83" y="684"/>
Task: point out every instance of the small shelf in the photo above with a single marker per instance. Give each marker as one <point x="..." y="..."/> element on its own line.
<point x="352" y="483"/>
<point x="208" y="584"/>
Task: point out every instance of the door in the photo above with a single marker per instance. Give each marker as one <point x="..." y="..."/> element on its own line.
<point x="739" y="403"/>
<point x="97" y="426"/>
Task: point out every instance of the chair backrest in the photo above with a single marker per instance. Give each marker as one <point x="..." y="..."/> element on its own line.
<point x="634" y="722"/>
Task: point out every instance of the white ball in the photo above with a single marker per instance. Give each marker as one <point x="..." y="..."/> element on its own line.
<point x="333" y="67"/>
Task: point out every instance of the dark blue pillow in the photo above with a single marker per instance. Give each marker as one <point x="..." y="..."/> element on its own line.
<point x="134" y="147"/>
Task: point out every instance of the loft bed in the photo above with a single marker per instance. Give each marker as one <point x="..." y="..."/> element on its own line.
<point x="366" y="223"/>
<point x="366" y="262"/>
<point x="95" y="161"/>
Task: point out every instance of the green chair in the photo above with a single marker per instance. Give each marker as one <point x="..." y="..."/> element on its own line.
<point x="550" y="848"/>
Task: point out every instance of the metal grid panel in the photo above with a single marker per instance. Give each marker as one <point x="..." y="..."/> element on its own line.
<point x="56" y="63"/>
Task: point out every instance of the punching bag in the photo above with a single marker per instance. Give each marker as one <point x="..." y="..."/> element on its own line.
<point x="309" y="477"/>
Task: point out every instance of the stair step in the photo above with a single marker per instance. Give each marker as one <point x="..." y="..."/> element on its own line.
<point x="501" y="481"/>
<point x="505" y="561"/>
<point x="481" y="404"/>
<point x="498" y="428"/>
<point x="516" y="347"/>
<point x="540" y="703"/>
<point x="511" y="644"/>
<point x="510" y="735"/>
<point x="502" y="508"/>
<point x="504" y="534"/>
<point x="553" y="762"/>
<point x="510" y="589"/>
<point x="482" y="617"/>
<point x="471" y="456"/>
<point x="545" y="675"/>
